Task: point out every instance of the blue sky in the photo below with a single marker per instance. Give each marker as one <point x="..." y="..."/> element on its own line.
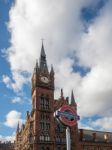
<point x="7" y="94"/>
<point x="78" y="36"/>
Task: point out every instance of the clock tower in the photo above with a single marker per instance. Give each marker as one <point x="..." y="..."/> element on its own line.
<point x="42" y="104"/>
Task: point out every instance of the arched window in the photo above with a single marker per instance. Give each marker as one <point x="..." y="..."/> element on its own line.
<point x="31" y="125"/>
<point x="47" y="102"/>
<point x="47" y="126"/>
<point x="47" y="118"/>
<point x="30" y="138"/>
<point x="42" y="137"/>
<point x="42" y="101"/>
<point x="58" y="139"/>
<point x="47" y="137"/>
<point x="42" y="125"/>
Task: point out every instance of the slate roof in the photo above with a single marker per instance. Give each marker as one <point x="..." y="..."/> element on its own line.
<point x="96" y="136"/>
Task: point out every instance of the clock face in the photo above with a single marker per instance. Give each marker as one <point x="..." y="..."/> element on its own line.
<point x="44" y="79"/>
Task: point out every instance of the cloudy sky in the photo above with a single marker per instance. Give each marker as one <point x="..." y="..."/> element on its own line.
<point x="78" y="37"/>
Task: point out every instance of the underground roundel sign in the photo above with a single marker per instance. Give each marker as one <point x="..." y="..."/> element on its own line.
<point x="67" y="115"/>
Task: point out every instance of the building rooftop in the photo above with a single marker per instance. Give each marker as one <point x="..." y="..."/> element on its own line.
<point x="96" y="136"/>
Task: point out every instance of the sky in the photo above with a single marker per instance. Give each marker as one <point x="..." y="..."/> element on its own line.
<point x="78" y="37"/>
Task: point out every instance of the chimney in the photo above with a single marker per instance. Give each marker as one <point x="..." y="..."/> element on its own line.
<point x="94" y="136"/>
<point x="81" y="134"/>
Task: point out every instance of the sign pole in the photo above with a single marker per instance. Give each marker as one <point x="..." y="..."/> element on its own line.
<point x="68" y="116"/>
<point x="68" y="140"/>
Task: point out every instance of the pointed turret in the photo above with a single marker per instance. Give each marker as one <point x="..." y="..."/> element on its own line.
<point x="36" y="66"/>
<point x="18" y="128"/>
<point x="42" y="50"/>
<point x="73" y="103"/>
<point x="61" y="93"/>
<point x="52" y="72"/>
<point x="43" y="63"/>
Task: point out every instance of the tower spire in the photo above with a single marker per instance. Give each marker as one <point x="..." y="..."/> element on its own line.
<point x="42" y="50"/>
<point x="18" y="127"/>
<point x="61" y="92"/>
<point x="52" y="70"/>
<point x="73" y="99"/>
<point x="43" y="63"/>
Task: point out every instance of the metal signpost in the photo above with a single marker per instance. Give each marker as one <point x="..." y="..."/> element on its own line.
<point x="68" y="116"/>
<point x="68" y="138"/>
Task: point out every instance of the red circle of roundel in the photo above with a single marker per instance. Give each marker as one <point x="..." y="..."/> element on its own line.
<point x="63" y="119"/>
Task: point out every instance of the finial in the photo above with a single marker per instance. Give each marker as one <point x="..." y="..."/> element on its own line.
<point x="61" y="92"/>
<point x="52" y="70"/>
<point x="42" y="40"/>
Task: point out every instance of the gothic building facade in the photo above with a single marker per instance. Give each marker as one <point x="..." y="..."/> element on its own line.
<point x="42" y="131"/>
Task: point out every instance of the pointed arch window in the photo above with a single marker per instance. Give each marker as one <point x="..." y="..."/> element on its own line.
<point x="44" y="102"/>
<point x="47" y="137"/>
<point x="31" y="138"/>
<point x="42" y="137"/>
<point x="42" y="125"/>
<point x="47" y="102"/>
<point x="47" y="126"/>
<point x="58" y="139"/>
<point x="47" y="118"/>
<point x="31" y="125"/>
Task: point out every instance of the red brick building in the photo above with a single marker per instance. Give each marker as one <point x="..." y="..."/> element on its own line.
<point x="41" y="130"/>
<point x="7" y="146"/>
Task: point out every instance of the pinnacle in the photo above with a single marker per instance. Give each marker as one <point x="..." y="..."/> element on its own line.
<point x="72" y="98"/>
<point x="43" y="51"/>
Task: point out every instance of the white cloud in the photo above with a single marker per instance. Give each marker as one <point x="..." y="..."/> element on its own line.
<point x="94" y="93"/>
<point x="102" y="123"/>
<point x="95" y="47"/>
<point x="66" y="78"/>
<point x="7" y="138"/>
<point x="6" y="80"/>
<point x="32" y="20"/>
<point x="61" y="25"/>
<point x="17" y="100"/>
<point x="95" y="51"/>
<point x="12" y="119"/>
<point x="17" y="81"/>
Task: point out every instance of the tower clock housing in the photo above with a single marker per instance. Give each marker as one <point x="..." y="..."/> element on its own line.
<point x="43" y="102"/>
